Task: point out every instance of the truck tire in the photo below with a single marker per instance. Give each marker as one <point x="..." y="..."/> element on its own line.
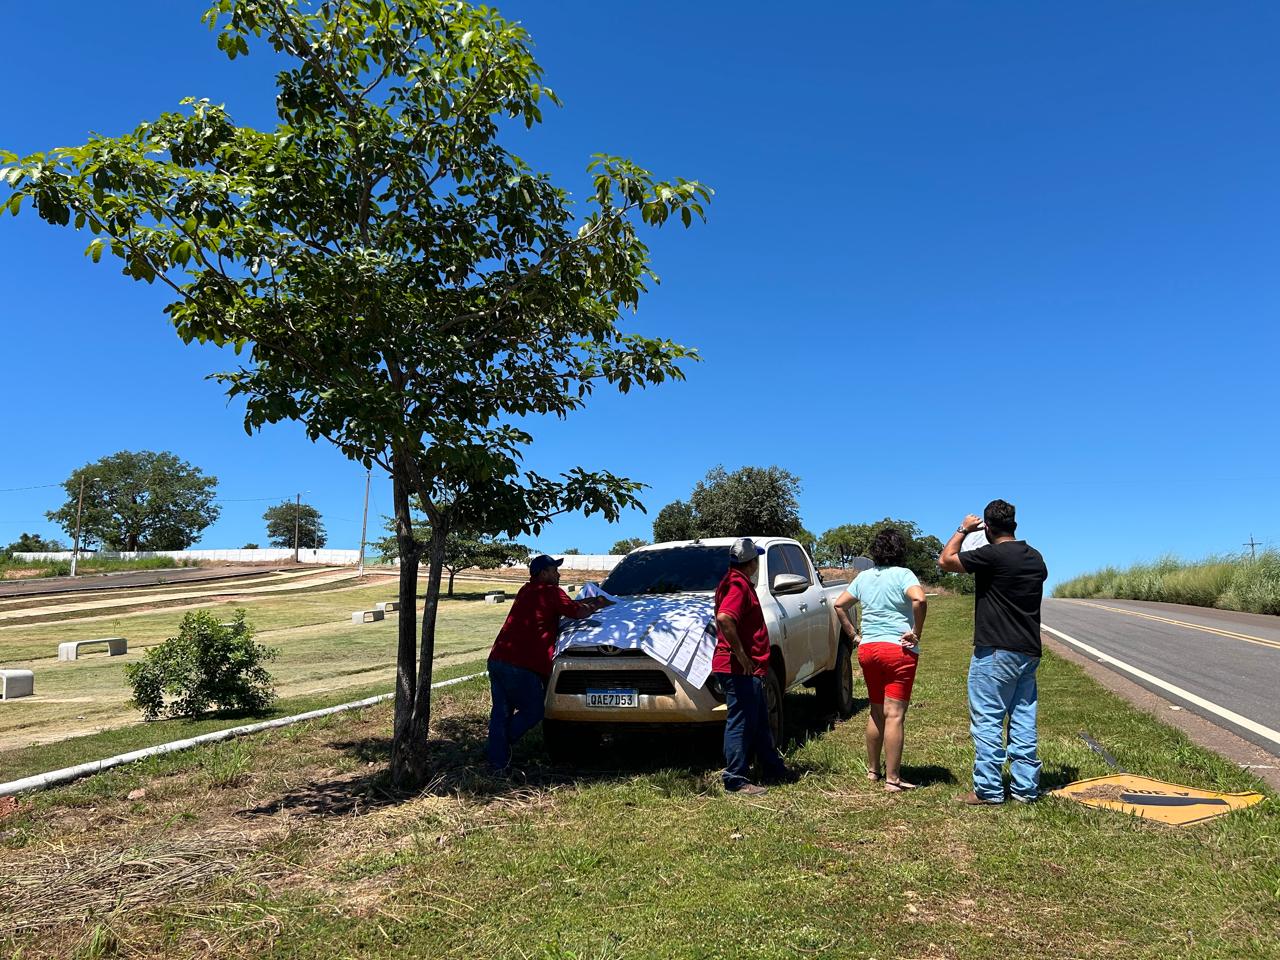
<point x="773" y="694"/>
<point x="835" y="686"/>
<point x="569" y="743"/>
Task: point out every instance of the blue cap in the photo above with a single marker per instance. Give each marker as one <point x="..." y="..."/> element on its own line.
<point x="542" y="562"/>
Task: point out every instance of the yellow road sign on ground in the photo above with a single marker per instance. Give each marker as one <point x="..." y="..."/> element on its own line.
<point x="1154" y="799"/>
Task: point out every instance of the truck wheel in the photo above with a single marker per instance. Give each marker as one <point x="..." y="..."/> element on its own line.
<point x="773" y="693"/>
<point x="835" y="686"/>
<point x="569" y="743"/>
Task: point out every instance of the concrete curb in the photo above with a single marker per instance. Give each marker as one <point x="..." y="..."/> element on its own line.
<point x="42" y="781"/>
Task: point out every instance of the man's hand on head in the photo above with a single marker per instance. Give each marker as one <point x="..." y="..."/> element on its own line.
<point x="970" y="523"/>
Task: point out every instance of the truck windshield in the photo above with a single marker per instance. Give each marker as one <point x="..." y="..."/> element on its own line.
<point x="677" y="570"/>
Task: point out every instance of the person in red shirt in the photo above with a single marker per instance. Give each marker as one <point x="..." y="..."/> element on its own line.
<point x="740" y="663"/>
<point x="520" y="661"/>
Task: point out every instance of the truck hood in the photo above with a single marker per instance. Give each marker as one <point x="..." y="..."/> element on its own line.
<point x="676" y="629"/>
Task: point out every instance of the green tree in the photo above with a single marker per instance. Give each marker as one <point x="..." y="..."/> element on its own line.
<point x="627" y="544"/>
<point x="463" y="550"/>
<point x="570" y="552"/>
<point x="391" y="275"/>
<point x="839" y="546"/>
<point x="750" y="502"/>
<point x="675" y="521"/>
<point x="250" y="546"/>
<point x="280" y="525"/>
<point x="139" y="501"/>
<point x="33" y="543"/>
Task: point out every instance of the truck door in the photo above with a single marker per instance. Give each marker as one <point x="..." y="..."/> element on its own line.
<point x="795" y="611"/>
<point x="813" y="607"/>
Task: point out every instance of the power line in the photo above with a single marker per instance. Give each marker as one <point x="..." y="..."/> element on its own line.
<point x="38" y="486"/>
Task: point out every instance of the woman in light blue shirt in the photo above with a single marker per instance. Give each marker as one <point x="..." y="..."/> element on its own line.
<point x="893" y="611"/>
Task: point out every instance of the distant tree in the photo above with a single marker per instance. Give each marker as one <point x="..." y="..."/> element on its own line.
<point x="33" y="543"/>
<point x="139" y="501"/>
<point x="571" y="552"/>
<point x="675" y="521"/>
<point x="463" y="550"/>
<point x="280" y="525"/>
<point x="750" y="502"/>
<point x="626" y="545"/>
<point x="839" y="546"/>
<point x="250" y="546"/>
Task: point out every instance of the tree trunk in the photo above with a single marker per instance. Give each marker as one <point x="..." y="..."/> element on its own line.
<point x="452" y="573"/>
<point x="407" y="756"/>
<point x="420" y="722"/>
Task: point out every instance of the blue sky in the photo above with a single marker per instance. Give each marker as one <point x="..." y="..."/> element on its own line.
<point x="957" y="251"/>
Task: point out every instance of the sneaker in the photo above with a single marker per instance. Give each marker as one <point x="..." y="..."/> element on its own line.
<point x="748" y="790"/>
<point x="1025" y="799"/>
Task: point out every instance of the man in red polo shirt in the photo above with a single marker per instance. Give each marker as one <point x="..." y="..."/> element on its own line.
<point x="520" y="661"/>
<point x="740" y="663"/>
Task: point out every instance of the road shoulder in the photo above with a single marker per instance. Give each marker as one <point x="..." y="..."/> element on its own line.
<point x="1201" y="731"/>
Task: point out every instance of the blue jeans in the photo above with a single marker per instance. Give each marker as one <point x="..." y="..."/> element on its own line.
<point x="519" y="700"/>
<point x="1002" y="684"/>
<point x="746" y="731"/>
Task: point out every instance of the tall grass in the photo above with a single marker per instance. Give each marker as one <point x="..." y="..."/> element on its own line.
<point x="1228" y="583"/>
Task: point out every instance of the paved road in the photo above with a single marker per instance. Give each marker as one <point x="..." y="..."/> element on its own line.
<point x="1224" y="666"/>
<point x="43" y="586"/>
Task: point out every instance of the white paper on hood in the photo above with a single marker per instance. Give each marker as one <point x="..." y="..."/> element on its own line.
<point x="591" y="589"/>
<point x="674" y="629"/>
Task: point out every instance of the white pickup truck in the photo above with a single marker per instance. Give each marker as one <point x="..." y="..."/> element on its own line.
<point x="610" y="672"/>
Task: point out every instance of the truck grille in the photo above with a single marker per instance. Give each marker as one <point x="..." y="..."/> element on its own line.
<point x="652" y="683"/>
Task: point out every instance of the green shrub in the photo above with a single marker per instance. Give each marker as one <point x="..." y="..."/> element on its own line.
<point x="207" y="665"/>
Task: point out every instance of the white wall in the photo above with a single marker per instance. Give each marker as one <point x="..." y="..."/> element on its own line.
<point x="585" y="561"/>
<point x="271" y="555"/>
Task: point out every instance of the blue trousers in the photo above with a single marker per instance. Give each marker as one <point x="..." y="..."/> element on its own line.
<point x="1002" y="686"/>
<point x="746" y="731"/>
<point x="519" y="700"/>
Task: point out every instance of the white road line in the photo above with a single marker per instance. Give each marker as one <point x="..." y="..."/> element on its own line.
<point x="1229" y="715"/>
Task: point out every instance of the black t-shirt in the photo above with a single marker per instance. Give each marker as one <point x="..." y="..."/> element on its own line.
<point x="1010" y="580"/>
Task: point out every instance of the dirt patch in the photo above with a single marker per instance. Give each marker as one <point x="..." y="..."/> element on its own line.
<point x="8" y="806"/>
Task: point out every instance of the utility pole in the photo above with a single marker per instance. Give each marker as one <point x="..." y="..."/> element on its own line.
<point x="1253" y="546"/>
<point x="297" y="517"/>
<point x="364" y="522"/>
<point x="75" y="551"/>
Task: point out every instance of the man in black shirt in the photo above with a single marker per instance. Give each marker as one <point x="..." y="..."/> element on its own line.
<point x="1009" y="576"/>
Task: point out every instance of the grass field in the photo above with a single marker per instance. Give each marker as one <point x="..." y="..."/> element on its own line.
<point x="321" y="653"/>
<point x="287" y="845"/>
<point x="1248" y="584"/>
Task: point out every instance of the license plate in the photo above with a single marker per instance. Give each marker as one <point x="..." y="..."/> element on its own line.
<point x="613" y="698"/>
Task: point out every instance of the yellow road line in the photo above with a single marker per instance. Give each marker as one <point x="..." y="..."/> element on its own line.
<point x="1261" y="641"/>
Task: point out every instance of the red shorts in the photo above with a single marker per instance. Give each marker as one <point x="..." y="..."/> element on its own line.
<point x="889" y="670"/>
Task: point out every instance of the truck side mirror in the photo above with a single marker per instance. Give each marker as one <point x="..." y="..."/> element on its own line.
<point x="787" y="583"/>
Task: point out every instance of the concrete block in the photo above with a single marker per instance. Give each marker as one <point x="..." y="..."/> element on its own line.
<point x="495" y="596"/>
<point x="16" y="683"/>
<point x="70" y="649"/>
<point x="387" y="606"/>
<point x="367" y="616"/>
